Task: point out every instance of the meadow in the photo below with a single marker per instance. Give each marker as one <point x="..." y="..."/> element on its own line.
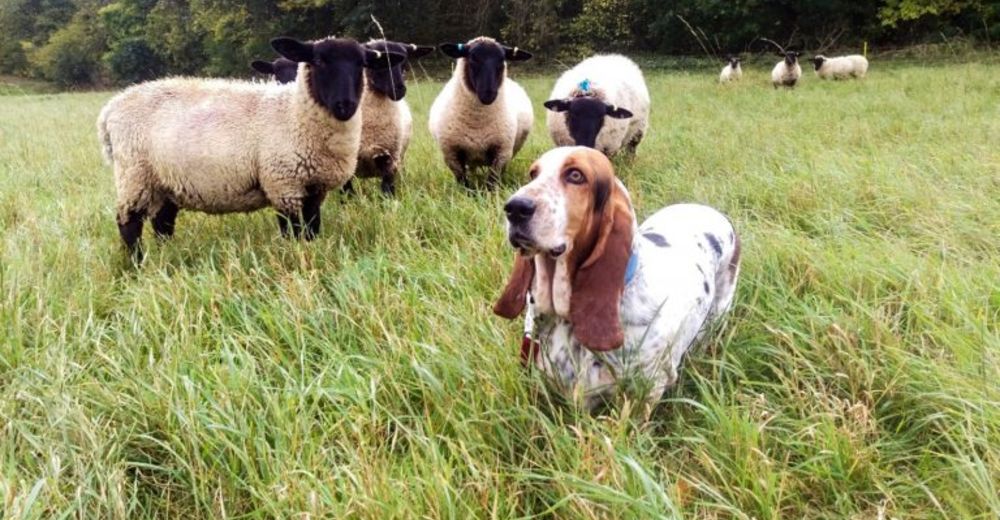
<point x="240" y="375"/>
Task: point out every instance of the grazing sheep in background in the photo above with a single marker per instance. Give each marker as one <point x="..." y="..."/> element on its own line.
<point x="481" y="117"/>
<point x="601" y="103"/>
<point x="841" y="67"/>
<point x="387" y="121"/>
<point x="223" y="146"/>
<point x="732" y="71"/>
<point x="788" y="71"/>
<point x="283" y="70"/>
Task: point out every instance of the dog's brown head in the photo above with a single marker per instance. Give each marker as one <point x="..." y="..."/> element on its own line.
<point x="573" y="210"/>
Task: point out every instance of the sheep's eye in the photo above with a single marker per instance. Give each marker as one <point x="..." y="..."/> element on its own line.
<point x="533" y="173"/>
<point x="575" y="176"/>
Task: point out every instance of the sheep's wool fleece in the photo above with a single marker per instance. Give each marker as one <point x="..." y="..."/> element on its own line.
<point x="730" y="74"/>
<point x="782" y="74"/>
<point x="843" y="67"/>
<point x="458" y="120"/>
<point x="617" y="81"/>
<point x="222" y="146"/>
<point x="385" y="131"/>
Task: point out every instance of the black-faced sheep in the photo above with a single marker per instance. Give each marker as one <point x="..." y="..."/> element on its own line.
<point x="283" y="69"/>
<point x="481" y="117"/>
<point x="387" y="123"/>
<point x="223" y="146"/>
<point x="732" y="71"/>
<point x="601" y="103"/>
<point x="788" y="71"/>
<point x="841" y="67"/>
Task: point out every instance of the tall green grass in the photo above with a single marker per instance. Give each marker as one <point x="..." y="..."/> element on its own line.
<point x="239" y="375"/>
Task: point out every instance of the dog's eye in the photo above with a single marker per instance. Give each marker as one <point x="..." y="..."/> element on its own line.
<point x="575" y="176"/>
<point x="533" y="173"/>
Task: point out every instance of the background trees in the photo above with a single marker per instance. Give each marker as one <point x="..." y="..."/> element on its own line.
<point x="84" y="42"/>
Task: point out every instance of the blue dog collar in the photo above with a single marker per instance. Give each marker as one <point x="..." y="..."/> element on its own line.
<point x="630" y="269"/>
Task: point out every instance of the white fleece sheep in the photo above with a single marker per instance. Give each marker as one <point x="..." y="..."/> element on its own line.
<point x="388" y="122"/>
<point x="619" y="83"/>
<point x="840" y="67"/>
<point x="788" y="71"/>
<point x="385" y="136"/>
<point x="470" y="132"/>
<point x="222" y="146"/>
<point x="731" y="72"/>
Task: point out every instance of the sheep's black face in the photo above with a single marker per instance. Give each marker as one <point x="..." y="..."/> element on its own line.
<point x="734" y="62"/>
<point x="792" y="57"/>
<point x="485" y="64"/>
<point x="336" y="70"/>
<point x="390" y="81"/>
<point x="585" y="117"/>
<point x="283" y="70"/>
<point x="818" y="62"/>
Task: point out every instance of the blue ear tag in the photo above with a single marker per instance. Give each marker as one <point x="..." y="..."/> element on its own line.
<point x="460" y="47"/>
<point x="585" y="85"/>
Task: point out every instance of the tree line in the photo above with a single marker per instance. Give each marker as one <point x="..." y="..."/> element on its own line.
<point x="92" y="42"/>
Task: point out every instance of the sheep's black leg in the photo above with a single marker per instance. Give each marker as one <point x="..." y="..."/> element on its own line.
<point x="165" y="219"/>
<point x="348" y="189"/>
<point x="130" y="229"/>
<point x="462" y="171"/>
<point x="388" y="172"/>
<point x="633" y="145"/>
<point x="289" y="224"/>
<point x="310" y="214"/>
<point x="493" y="172"/>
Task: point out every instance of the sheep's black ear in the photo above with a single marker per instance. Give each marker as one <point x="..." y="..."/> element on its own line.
<point x="557" y="105"/>
<point x="618" y="113"/>
<point x="381" y="59"/>
<point x="418" y="51"/>
<point x="293" y="49"/>
<point x="516" y="54"/>
<point x="264" y="67"/>
<point x="454" y="50"/>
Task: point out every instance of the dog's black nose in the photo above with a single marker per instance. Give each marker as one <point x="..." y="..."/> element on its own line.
<point x="519" y="210"/>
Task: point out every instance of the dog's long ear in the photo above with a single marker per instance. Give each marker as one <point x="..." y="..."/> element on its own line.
<point x="511" y="302"/>
<point x="599" y="282"/>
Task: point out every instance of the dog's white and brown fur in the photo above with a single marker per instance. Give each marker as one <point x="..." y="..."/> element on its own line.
<point x="576" y="233"/>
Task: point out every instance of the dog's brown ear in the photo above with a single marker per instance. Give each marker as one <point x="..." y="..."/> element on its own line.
<point x="512" y="301"/>
<point x="599" y="283"/>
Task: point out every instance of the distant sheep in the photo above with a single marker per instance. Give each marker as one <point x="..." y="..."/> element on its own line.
<point x="481" y="118"/>
<point x="601" y="103"/>
<point x="732" y="71"/>
<point x="283" y="70"/>
<point x="224" y="146"/>
<point x="788" y="71"/>
<point x="841" y="67"/>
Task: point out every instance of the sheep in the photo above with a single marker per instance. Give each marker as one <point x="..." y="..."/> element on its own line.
<point x="601" y="103"/>
<point x="388" y="123"/>
<point x="732" y="71"/>
<point x="788" y="71"/>
<point x="481" y="117"/>
<point x="841" y="67"/>
<point x="283" y="69"/>
<point x="223" y="146"/>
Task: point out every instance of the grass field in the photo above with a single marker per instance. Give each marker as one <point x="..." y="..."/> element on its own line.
<point x="238" y="375"/>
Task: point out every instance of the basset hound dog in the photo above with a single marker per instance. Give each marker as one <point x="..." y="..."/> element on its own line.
<point x="613" y="302"/>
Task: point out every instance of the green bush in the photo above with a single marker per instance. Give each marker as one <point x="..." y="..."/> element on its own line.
<point x="72" y="55"/>
<point x="12" y="58"/>
<point x="133" y="61"/>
